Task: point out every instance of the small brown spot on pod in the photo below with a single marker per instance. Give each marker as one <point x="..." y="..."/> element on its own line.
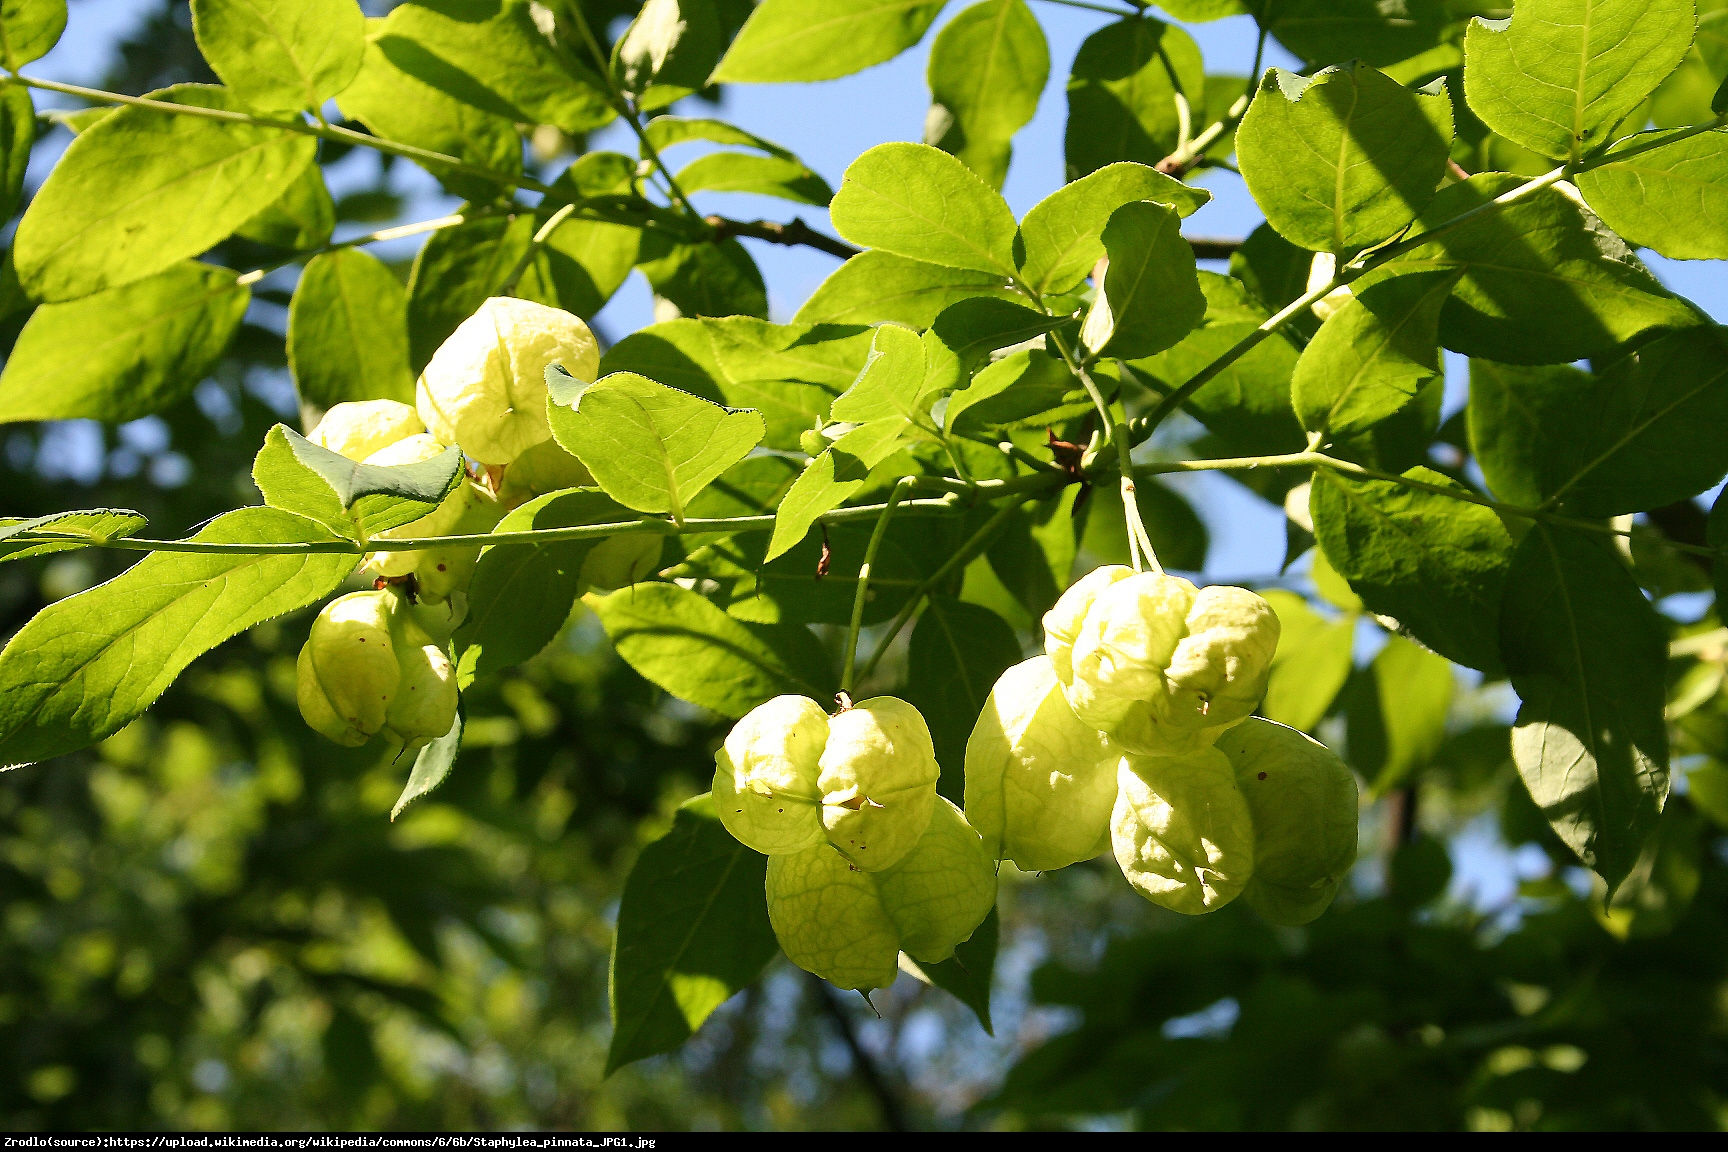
<point x="1262" y="775"/>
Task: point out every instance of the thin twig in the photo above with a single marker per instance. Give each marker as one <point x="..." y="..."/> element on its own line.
<point x="862" y="592"/>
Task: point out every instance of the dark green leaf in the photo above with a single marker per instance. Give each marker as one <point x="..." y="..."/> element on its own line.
<point x="348" y="332"/>
<point x="683" y="643"/>
<point x="1587" y="655"/>
<point x="123" y="353"/>
<point x="300" y="219"/>
<point x="1312" y="663"/>
<point x="353" y="500"/>
<point x="1014" y="388"/>
<point x="822" y="39"/>
<point x="1415" y="689"/>
<point x="667" y="52"/>
<point x="921" y="203"/>
<point x="1560" y="75"/>
<point x="1151" y="297"/>
<point x="1062" y="237"/>
<point x="1544" y="281"/>
<point x="1436" y="565"/>
<point x="281" y="55"/>
<point x="968" y="974"/>
<point x="189" y="183"/>
<point x="17" y="134"/>
<point x="522" y="593"/>
<point x="1637" y="435"/>
<point x="957" y="652"/>
<point x="1345" y="158"/>
<point x="987" y="69"/>
<point x="455" y="272"/>
<point x="84" y="667"/>
<point x="1122" y="94"/>
<point x="708" y="279"/>
<point x="692" y="930"/>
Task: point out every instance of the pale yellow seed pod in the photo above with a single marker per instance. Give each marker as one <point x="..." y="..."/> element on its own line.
<point x="1040" y="785"/>
<point x="424" y="705"/>
<point x="765" y="776"/>
<point x="829" y="919"/>
<point x="544" y="468"/>
<point x="347" y="672"/>
<point x="1304" y="805"/>
<point x="878" y="781"/>
<point x="620" y="561"/>
<point x="359" y="428"/>
<point x="942" y="890"/>
<point x="485" y="387"/>
<point x="469" y="510"/>
<point x="1163" y="668"/>
<point x="1062" y="623"/>
<point x="1182" y="831"/>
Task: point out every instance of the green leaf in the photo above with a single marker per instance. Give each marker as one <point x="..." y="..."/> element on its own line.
<point x="28" y="29"/>
<point x="1638" y="435"/>
<point x="86" y="666"/>
<point x="300" y="219"/>
<point x="1673" y="198"/>
<point x="1327" y="31"/>
<point x="879" y="286"/>
<point x="1544" y="281"/>
<point x="822" y="39"/>
<point x="1062" y="237"/>
<point x="1122" y="94"/>
<point x="957" y="652"/>
<point x="1152" y="295"/>
<point x="348" y="331"/>
<point x="17" y="135"/>
<point x="1248" y="404"/>
<point x="1312" y="663"/>
<point x="188" y="184"/>
<point x="352" y="500"/>
<point x="650" y="447"/>
<point x="397" y="104"/>
<point x="921" y="203"/>
<point x="123" y="353"/>
<point x="667" y="52"/>
<point x="1345" y="158"/>
<point x="1033" y="553"/>
<point x="832" y="478"/>
<point x="1178" y="534"/>
<point x="684" y="644"/>
<point x="1015" y="388"/>
<point x="987" y="69"/>
<point x="281" y="55"/>
<point x="1200" y="11"/>
<point x="668" y="131"/>
<point x="968" y="974"/>
<point x="522" y="593"/>
<point x="790" y="373"/>
<point x="787" y="179"/>
<point x="1718" y="538"/>
<point x="1415" y="689"/>
<point x="692" y="930"/>
<point x="432" y="765"/>
<point x="971" y="330"/>
<point x="708" y="279"/>
<point x="1434" y="564"/>
<point x="584" y="261"/>
<point x="1275" y="273"/>
<point x="1560" y="75"/>
<point x="96" y="526"/>
<point x="1588" y="657"/>
<point x="492" y="57"/>
<point x="456" y="270"/>
<point x="1370" y="356"/>
<point x="891" y="382"/>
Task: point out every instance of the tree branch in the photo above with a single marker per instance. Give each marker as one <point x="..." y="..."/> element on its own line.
<point x="893" y="1116"/>
<point x="792" y="234"/>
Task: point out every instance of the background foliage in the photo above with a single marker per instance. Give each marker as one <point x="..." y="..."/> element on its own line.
<point x="210" y="920"/>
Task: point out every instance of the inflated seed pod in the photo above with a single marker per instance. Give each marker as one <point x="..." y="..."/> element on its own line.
<point x="358" y="428"/>
<point x="485" y="388"/>
<point x="1062" y="623"/>
<point x="765" y="776"/>
<point x="544" y="468"/>
<point x="1040" y="785"/>
<point x="1162" y="668"/>
<point x="620" y="561"/>
<point x="469" y="510"/>
<point x="829" y="919"/>
<point x="347" y="673"/>
<point x="941" y="890"/>
<point x="1304" y="806"/>
<point x="878" y="781"/>
<point x="1182" y="831"/>
<point x="424" y="704"/>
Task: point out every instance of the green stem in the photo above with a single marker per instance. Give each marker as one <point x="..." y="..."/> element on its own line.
<point x="377" y="237"/>
<point x="1125" y="13"/>
<point x="534" y="245"/>
<point x="861" y="595"/>
<point x="954" y="563"/>
<point x="1139" y="541"/>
